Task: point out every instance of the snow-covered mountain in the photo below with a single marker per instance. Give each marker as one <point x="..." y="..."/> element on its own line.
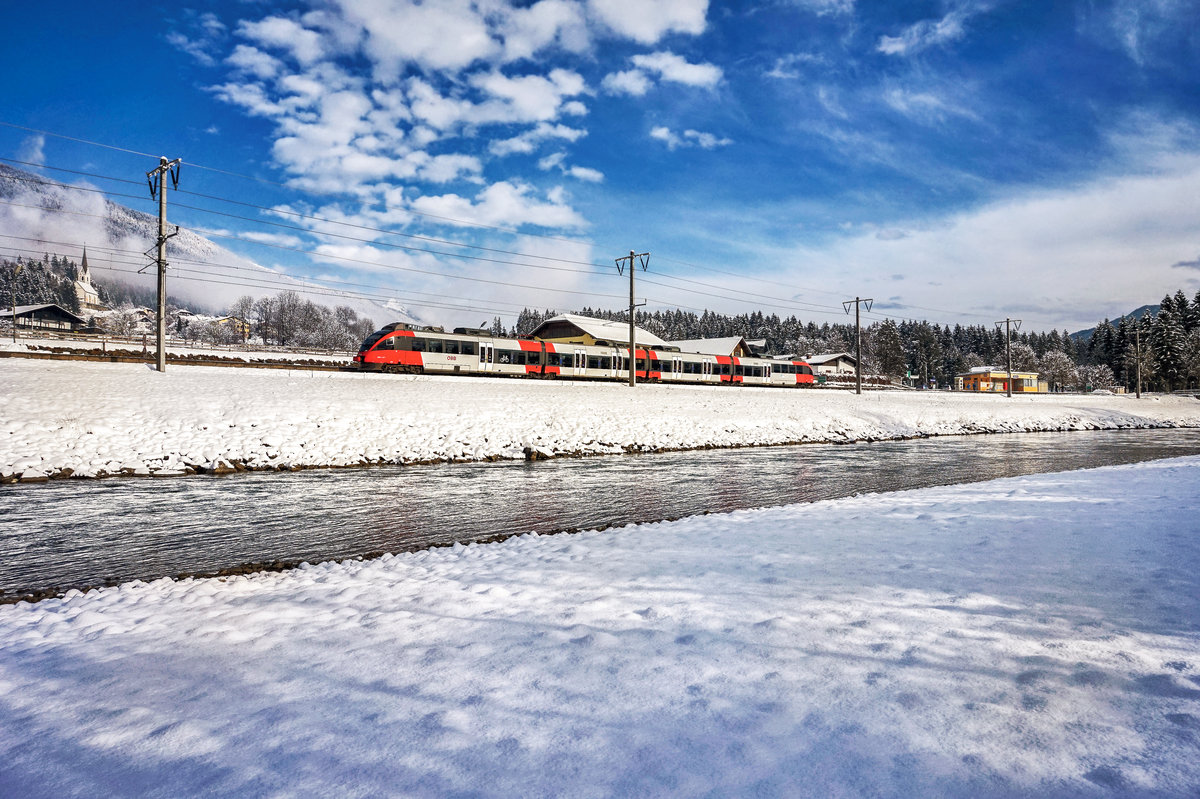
<point x="40" y="215"/>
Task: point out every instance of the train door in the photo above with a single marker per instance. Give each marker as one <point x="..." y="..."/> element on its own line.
<point x="767" y="373"/>
<point x="487" y="356"/>
<point x="580" y="362"/>
<point x="706" y="369"/>
<point x="676" y="367"/>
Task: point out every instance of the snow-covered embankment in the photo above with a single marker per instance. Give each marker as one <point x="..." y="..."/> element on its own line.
<point x="1029" y="637"/>
<point x="87" y="420"/>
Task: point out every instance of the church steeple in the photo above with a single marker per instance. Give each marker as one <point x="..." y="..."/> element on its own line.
<point x="83" y="268"/>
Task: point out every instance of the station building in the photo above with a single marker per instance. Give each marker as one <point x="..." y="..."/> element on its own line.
<point x="572" y="329"/>
<point x="989" y="379"/>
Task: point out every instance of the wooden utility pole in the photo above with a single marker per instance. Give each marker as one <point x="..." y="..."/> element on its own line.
<point x="159" y="187"/>
<point x="634" y="258"/>
<point x="857" y="301"/>
<point x="1009" y="324"/>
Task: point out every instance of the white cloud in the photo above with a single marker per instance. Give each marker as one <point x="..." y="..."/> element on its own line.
<point x="1076" y="254"/>
<point x="285" y="34"/>
<point x="254" y="61"/>
<point x="927" y="33"/>
<point x="787" y="67"/>
<point x="503" y="204"/>
<point x="558" y="161"/>
<point x="32" y="150"/>
<point x="924" y="105"/>
<point x="527" y="98"/>
<point x="689" y="138"/>
<point x="647" y="22"/>
<point x="823" y="7"/>
<point x="676" y="69"/>
<point x="443" y="35"/>
<point x="528" y="141"/>
<point x="196" y="48"/>
<point x="632" y="82"/>
<point x="527" y="31"/>
<point x="586" y="173"/>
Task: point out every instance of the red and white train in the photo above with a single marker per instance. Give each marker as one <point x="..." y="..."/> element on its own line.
<point x="411" y="349"/>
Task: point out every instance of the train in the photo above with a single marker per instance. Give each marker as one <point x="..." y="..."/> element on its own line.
<point x="403" y="348"/>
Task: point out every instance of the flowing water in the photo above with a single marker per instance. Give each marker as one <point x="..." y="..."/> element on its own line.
<point x="78" y="533"/>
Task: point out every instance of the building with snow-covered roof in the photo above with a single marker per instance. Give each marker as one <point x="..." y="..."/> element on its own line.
<point x="730" y="345"/>
<point x="833" y="363"/>
<point x="994" y="379"/>
<point x="42" y="317"/>
<point x="572" y="329"/>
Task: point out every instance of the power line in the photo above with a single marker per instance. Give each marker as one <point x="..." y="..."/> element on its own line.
<point x="771" y="300"/>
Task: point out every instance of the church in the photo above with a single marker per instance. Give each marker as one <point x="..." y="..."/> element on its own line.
<point x="89" y="299"/>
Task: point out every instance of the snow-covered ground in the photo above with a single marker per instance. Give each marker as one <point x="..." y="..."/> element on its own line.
<point x="1029" y="637"/>
<point x="145" y="344"/>
<point x="93" y="419"/>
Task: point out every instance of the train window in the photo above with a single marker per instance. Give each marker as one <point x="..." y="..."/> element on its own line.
<point x="418" y="345"/>
<point x="504" y="357"/>
<point x="386" y="344"/>
<point x="434" y="345"/>
<point x="468" y="348"/>
<point x="593" y="362"/>
<point x="452" y="347"/>
<point x="606" y="363"/>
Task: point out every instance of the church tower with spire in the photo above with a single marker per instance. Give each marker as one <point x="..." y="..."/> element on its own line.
<point x="89" y="298"/>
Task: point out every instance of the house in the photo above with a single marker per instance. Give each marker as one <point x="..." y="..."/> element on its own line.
<point x="835" y="363"/>
<point x="50" y="317"/>
<point x="573" y="329"/>
<point x="992" y="379"/>
<point x="735" y="346"/>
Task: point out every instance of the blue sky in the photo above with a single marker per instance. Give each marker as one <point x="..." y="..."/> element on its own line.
<point x="961" y="161"/>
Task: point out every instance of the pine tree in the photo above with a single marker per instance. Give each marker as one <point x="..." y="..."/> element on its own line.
<point x="1167" y="343"/>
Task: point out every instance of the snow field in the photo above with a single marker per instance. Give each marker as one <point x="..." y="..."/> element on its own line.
<point x="1035" y="636"/>
<point x="88" y="420"/>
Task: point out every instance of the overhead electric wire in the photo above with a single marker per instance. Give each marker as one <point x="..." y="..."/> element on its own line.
<point x="772" y="301"/>
<point x="294" y="284"/>
<point x="268" y="181"/>
<point x="348" y="259"/>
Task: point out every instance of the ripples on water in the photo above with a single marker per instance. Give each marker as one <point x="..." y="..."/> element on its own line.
<point x="79" y="533"/>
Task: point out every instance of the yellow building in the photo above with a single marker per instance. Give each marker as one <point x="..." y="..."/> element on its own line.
<point x="989" y="379"/>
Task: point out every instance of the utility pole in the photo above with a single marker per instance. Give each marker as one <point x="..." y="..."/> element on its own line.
<point x="857" y="301"/>
<point x="159" y="187"/>
<point x="1009" y="324"/>
<point x="634" y="258"/>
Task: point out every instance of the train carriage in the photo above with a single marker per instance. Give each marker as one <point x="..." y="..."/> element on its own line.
<point x="404" y="348"/>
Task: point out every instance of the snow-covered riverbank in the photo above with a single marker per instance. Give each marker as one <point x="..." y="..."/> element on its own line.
<point x="64" y="418"/>
<point x="1030" y="637"/>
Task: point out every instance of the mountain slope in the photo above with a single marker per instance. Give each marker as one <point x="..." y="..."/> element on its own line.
<point x="41" y="215"/>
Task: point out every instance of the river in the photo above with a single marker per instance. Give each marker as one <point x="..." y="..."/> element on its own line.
<point x="77" y="533"/>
